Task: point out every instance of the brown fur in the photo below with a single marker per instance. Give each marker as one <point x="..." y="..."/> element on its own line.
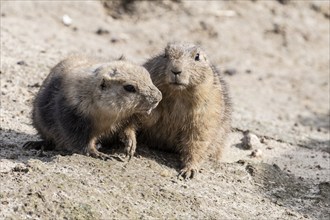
<point x="193" y="117"/>
<point x="83" y="99"/>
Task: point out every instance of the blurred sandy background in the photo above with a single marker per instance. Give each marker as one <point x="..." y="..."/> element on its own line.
<point x="274" y="54"/>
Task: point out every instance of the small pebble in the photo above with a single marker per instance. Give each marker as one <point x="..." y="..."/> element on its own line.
<point x="21" y="168"/>
<point x="120" y="38"/>
<point x="263" y="140"/>
<point x="256" y="153"/>
<point x="318" y="167"/>
<point x="36" y="85"/>
<point x="250" y="141"/>
<point x="230" y="71"/>
<point x="66" y="20"/>
<point x="22" y="63"/>
<point x="284" y="2"/>
<point x="102" y="31"/>
<point x="242" y="162"/>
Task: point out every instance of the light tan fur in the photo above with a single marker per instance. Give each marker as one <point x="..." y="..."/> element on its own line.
<point x="193" y="118"/>
<point x="94" y="93"/>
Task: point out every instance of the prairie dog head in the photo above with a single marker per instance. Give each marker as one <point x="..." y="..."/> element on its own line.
<point x="187" y="65"/>
<point x="116" y="88"/>
<point x="125" y="87"/>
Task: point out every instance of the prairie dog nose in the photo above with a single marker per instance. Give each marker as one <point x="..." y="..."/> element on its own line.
<point x="156" y="97"/>
<point x="176" y="72"/>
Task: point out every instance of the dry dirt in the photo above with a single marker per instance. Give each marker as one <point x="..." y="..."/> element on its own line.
<point x="275" y="57"/>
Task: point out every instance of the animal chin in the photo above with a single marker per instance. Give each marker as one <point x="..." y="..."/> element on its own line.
<point x="178" y="85"/>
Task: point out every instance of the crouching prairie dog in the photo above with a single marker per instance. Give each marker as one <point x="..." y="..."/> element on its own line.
<point x="193" y="118"/>
<point x="84" y="99"/>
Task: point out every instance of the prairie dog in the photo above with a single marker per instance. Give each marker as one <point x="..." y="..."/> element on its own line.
<point x="83" y="99"/>
<point x="194" y="115"/>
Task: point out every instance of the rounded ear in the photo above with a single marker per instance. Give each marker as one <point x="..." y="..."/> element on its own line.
<point x="114" y="72"/>
<point x="166" y="50"/>
<point x="96" y="68"/>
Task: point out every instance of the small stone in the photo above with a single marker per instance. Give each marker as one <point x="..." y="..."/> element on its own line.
<point x="120" y="38"/>
<point x="230" y="71"/>
<point x="36" y="85"/>
<point x="66" y="20"/>
<point x="256" y="153"/>
<point x="318" y="167"/>
<point x="276" y="166"/>
<point x="102" y="31"/>
<point x="284" y="2"/>
<point x="21" y="63"/>
<point x="263" y="140"/>
<point x="251" y="169"/>
<point x="242" y="162"/>
<point x="20" y="168"/>
<point x="165" y="173"/>
<point x="250" y="141"/>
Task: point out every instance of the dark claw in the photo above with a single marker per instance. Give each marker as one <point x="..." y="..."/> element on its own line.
<point x="187" y="173"/>
<point x="129" y="151"/>
<point x="103" y="156"/>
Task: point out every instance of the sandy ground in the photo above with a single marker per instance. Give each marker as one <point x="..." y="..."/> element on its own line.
<point x="275" y="57"/>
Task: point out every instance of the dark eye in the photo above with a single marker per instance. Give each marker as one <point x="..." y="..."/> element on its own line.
<point x="130" y="88"/>
<point x="197" y="57"/>
<point x="103" y="86"/>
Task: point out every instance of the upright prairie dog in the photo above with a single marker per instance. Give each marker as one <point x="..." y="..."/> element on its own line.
<point x="193" y="118"/>
<point x="84" y="99"/>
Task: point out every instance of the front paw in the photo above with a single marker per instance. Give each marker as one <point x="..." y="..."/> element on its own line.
<point x="188" y="172"/>
<point x="130" y="147"/>
<point x="97" y="154"/>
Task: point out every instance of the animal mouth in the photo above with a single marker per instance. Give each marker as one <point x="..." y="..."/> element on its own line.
<point x="178" y="84"/>
<point x="149" y="111"/>
<point x="151" y="108"/>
